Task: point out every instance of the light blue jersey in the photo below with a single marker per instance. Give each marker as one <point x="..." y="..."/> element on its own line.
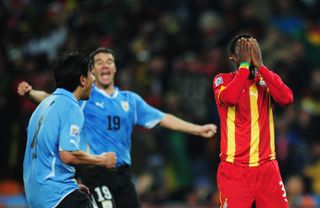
<point x="109" y="121"/>
<point x="54" y="126"/>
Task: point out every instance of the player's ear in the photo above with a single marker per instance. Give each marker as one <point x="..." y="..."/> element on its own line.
<point x="82" y="81"/>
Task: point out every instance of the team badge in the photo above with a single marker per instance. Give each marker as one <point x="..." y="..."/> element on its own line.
<point x="125" y="105"/>
<point x="218" y="81"/>
<point x="74" y="130"/>
<point x="262" y="82"/>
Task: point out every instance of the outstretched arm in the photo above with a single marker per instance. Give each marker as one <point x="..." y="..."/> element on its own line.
<point x="172" y="122"/>
<point x="36" y="96"/>
<point x="107" y="160"/>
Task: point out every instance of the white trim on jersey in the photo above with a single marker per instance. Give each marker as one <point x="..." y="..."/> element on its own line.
<point x="83" y="105"/>
<point x="53" y="172"/>
<point x="114" y="95"/>
<point x="152" y="123"/>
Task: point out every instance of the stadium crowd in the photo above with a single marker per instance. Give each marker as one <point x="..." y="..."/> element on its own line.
<point x="168" y="52"/>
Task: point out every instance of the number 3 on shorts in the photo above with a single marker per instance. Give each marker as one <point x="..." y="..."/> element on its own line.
<point x="104" y="196"/>
<point x="284" y="195"/>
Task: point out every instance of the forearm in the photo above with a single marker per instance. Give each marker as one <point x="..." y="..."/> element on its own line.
<point x="174" y="123"/>
<point x="36" y="96"/>
<point x="80" y="158"/>
<point x="231" y="94"/>
<point x="280" y="92"/>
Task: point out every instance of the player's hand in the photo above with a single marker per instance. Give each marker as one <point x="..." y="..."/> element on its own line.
<point x="208" y="130"/>
<point x="244" y="50"/>
<point x="83" y="189"/>
<point x="256" y="53"/>
<point x="109" y="159"/>
<point x="24" y="88"/>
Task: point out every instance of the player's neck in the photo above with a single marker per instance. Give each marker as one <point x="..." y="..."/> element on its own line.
<point x="77" y="94"/>
<point x="109" y="90"/>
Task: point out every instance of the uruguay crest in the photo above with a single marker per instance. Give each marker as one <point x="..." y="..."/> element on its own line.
<point x="125" y="105"/>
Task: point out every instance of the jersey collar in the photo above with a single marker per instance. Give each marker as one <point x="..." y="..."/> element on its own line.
<point x="61" y="91"/>
<point x="114" y="95"/>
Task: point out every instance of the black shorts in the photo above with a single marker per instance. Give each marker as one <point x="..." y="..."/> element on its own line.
<point x="76" y="199"/>
<point x="110" y="187"/>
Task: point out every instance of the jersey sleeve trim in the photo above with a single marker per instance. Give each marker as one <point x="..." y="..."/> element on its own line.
<point x="152" y="123"/>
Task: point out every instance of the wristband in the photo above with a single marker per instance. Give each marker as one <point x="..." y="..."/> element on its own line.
<point x="244" y="64"/>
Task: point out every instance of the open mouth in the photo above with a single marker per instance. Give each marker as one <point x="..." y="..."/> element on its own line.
<point x="105" y="75"/>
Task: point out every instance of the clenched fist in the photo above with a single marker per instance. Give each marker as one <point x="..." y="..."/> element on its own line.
<point x="109" y="159"/>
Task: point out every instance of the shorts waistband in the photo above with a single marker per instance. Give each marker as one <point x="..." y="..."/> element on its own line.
<point x="120" y="168"/>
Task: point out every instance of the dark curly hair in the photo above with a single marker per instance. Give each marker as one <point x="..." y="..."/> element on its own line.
<point x="68" y="69"/>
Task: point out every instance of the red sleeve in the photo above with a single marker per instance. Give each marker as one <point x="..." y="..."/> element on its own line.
<point x="280" y="92"/>
<point x="230" y="93"/>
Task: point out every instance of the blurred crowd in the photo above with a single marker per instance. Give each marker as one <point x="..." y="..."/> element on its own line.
<point x="168" y="51"/>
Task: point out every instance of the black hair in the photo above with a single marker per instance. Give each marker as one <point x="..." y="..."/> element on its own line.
<point x="68" y="69"/>
<point x="233" y="42"/>
<point x="99" y="50"/>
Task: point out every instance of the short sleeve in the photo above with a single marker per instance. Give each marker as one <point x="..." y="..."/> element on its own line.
<point x="71" y="125"/>
<point x="146" y="115"/>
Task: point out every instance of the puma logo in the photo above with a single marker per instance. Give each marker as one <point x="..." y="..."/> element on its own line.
<point x="100" y="104"/>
